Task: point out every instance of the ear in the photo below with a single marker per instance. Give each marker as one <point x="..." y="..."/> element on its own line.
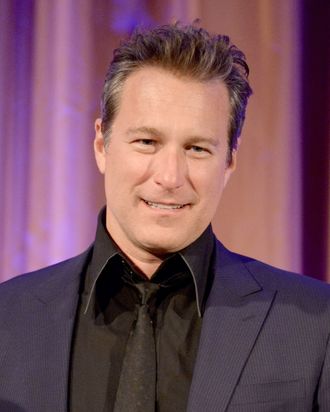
<point x="99" y="148"/>
<point x="232" y="166"/>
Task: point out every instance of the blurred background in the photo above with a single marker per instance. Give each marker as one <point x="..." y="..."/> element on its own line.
<point x="53" y="58"/>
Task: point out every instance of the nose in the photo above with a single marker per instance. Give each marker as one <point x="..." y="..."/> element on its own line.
<point x="170" y="169"/>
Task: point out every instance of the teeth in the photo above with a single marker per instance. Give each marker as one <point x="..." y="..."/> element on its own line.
<point x="163" y="206"/>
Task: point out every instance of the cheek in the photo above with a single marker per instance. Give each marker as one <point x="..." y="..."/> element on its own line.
<point x="114" y="179"/>
<point x="210" y="181"/>
<point x="123" y="173"/>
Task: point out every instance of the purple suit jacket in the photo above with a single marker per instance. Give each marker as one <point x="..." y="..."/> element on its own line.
<point x="264" y="343"/>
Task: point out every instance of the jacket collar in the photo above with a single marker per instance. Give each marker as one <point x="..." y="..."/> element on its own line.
<point x="234" y="315"/>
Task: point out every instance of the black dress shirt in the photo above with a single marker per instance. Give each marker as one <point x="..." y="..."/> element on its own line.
<point x="107" y="311"/>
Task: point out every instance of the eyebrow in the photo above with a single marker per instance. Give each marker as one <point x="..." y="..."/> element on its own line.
<point x="200" y="139"/>
<point x="151" y="131"/>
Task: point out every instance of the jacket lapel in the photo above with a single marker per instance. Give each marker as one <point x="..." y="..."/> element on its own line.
<point x="41" y="341"/>
<point x="235" y="312"/>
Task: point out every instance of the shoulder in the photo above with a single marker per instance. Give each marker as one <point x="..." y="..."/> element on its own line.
<point x="290" y="287"/>
<point x="54" y="276"/>
<point x="286" y="281"/>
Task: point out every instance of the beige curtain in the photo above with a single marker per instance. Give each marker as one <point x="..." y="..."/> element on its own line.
<point x="50" y="189"/>
<point x="260" y="214"/>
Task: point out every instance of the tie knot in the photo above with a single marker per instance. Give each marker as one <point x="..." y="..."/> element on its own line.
<point x="147" y="291"/>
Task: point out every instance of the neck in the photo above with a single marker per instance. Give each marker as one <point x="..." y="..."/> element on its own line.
<point x="145" y="260"/>
<point x="146" y="264"/>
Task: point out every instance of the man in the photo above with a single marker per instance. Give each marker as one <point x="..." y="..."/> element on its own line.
<point x="157" y="315"/>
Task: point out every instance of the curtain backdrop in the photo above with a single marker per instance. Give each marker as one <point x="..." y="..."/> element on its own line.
<point x="54" y="55"/>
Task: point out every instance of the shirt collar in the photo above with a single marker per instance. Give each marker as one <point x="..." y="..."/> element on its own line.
<point x="197" y="258"/>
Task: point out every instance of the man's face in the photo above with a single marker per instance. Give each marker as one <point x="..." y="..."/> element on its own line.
<point x="165" y="164"/>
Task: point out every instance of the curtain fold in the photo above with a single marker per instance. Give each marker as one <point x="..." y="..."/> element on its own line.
<point x="315" y="121"/>
<point x="54" y="56"/>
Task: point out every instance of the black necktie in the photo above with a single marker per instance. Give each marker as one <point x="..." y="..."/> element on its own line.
<point x="137" y="384"/>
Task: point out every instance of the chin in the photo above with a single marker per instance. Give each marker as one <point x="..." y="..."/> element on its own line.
<point x="165" y="246"/>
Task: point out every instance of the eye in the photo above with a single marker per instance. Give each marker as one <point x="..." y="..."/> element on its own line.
<point x="147" y="142"/>
<point x="198" y="151"/>
<point x="145" y="145"/>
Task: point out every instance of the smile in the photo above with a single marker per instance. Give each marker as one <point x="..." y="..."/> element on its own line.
<point x="164" y="205"/>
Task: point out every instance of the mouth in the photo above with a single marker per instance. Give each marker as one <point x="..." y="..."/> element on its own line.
<point x="165" y="206"/>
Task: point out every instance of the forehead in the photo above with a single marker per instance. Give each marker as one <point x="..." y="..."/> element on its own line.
<point x="157" y="94"/>
<point x="151" y="79"/>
